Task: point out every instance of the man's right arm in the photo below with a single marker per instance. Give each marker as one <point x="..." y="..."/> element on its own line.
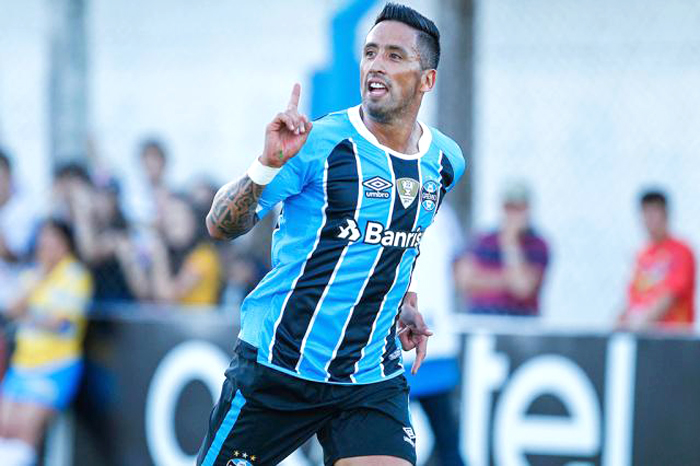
<point x="233" y="211"/>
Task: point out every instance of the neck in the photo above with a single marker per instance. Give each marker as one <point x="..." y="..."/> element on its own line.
<point x="400" y="134"/>
<point x="659" y="238"/>
<point x="50" y="264"/>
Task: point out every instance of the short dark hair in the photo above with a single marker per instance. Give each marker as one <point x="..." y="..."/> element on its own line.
<point x="74" y="170"/>
<point x="65" y="229"/>
<point x="653" y="196"/>
<point x="5" y="161"/>
<point x="154" y="144"/>
<point x="428" y="39"/>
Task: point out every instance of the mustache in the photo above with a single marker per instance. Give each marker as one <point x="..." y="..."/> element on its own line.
<point x="379" y="77"/>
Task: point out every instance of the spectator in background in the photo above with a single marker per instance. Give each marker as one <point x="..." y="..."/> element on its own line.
<point x="434" y="385"/>
<point x="202" y="193"/>
<point x="243" y="272"/>
<point x="147" y="198"/>
<point x="102" y="237"/>
<point x="17" y="228"/>
<point x="662" y="290"/>
<point x="46" y="365"/>
<point x="502" y="272"/>
<point x="67" y="179"/>
<point x="185" y="265"/>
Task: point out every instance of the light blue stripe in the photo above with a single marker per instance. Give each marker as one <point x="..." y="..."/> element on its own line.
<point x="225" y="429"/>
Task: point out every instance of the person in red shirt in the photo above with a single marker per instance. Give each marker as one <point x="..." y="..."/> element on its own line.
<point x="662" y="291"/>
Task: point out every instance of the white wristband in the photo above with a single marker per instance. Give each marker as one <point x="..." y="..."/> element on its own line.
<point x="261" y="174"/>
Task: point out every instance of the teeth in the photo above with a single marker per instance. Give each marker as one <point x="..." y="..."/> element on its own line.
<point x="376" y="86"/>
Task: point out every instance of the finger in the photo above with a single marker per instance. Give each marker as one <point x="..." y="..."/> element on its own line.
<point x="406" y="342"/>
<point x="294" y="99"/>
<point x="298" y="122"/>
<point x="420" y="328"/>
<point x="287" y="121"/>
<point x="304" y="123"/>
<point x="421" y="351"/>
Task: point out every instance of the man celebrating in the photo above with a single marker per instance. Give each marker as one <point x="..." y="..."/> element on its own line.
<point x="318" y="351"/>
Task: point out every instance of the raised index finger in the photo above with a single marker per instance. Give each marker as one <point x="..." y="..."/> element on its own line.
<point x="294" y="99"/>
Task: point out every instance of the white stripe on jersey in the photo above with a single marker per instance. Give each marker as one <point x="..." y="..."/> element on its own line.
<point x="360" y="192"/>
<point x="303" y="267"/>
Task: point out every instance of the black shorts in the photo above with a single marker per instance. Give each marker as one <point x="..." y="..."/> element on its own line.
<point x="263" y="415"/>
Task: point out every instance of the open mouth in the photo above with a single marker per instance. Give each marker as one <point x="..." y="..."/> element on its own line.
<point x="377" y="88"/>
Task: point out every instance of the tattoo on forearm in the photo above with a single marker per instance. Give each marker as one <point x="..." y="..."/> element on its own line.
<point x="233" y="209"/>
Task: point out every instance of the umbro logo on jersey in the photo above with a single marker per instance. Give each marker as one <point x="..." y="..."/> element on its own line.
<point x="377" y="187"/>
<point x="349" y="231"/>
<point x="408" y="191"/>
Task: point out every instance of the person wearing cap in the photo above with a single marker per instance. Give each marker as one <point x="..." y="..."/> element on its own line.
<point x="501" y="272"/>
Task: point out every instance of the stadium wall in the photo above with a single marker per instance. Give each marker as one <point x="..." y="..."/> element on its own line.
<point x="529" y="395"/>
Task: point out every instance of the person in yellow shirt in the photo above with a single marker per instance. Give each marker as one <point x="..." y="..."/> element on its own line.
<point x="46" y="366"/>
<point x="185" y="266"/>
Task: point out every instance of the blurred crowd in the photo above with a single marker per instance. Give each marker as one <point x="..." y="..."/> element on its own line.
<point x="144" y="244"/>
<point x="92" y="246"/>
<point x="95" y="246"/>
<point x="148" y="244"/>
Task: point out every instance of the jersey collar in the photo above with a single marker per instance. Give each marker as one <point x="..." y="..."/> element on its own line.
<point x="423" y="144"/>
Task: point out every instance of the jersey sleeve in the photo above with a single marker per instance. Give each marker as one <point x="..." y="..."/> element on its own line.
<point x="453" y="163"/>
<point x="291" y="179"/>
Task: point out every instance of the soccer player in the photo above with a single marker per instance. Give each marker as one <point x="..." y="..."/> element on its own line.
<point x="318" y="351"/>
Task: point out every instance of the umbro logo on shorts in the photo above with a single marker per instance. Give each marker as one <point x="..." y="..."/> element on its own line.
<point x="409" y="436"/>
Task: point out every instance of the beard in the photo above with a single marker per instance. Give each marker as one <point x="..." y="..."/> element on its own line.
<point x="392" y="107"/>
<point x="384" y="112"/>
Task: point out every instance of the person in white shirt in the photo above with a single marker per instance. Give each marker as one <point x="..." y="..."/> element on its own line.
<point x="18" y="225"/>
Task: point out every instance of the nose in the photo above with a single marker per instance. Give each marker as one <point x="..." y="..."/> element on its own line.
<point x="377" y="64"/>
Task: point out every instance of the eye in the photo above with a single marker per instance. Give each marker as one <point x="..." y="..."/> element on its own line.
<point x="370" y="53"/>
<point x="395" y="56"/>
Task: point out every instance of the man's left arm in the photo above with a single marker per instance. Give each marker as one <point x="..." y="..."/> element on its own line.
<point x="413" y="332"/>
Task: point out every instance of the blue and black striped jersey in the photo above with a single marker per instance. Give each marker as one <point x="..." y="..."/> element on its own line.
<point x="353" y="214"/>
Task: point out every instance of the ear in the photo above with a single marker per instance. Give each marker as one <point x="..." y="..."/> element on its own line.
<point x="427" y="80"/>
